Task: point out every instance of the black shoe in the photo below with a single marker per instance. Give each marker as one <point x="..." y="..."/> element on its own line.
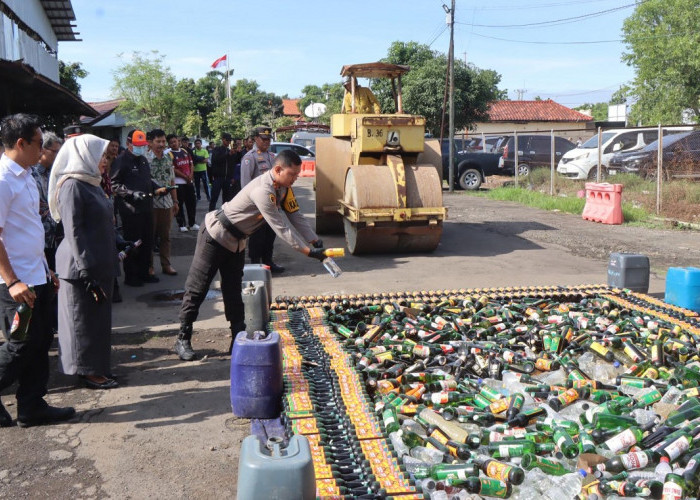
<point x="109" y="383"/>
<point x="133" y="282"/>
<point x="45" y="415"/>
<point x="275" y="269"/>
<point x="150" y="278"/>
<point x="5" y="418"/>
<point x="183" y="348"/>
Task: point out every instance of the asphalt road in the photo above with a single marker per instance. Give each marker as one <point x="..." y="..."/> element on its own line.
<point x="168" y="432"/>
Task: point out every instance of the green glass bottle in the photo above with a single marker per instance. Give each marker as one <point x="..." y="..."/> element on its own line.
<point x="623" y="440"/>
<point x="390" y="418"/>
<point x="552" y="467"/>
<point x="674" y="487"/>
<point x="609" y="421"/>
<point x="452" y="472"/>
<point x="564" y="442"/>
<point x="691" y="475"/>
<point x="20" y="323"/>
<point x="628" y="461"/>
<point x="514" y="448"/>
<point x="586" y="443"/>
<point x="499" y="470"/>
<point x="489" y="487"/>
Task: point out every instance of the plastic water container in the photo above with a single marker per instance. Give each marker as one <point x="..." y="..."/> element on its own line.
<point x="256" y="308"/>
<point x="628" y="270"/>
<point x="259" y="272"/>
<point x="274" y="472"/>
<point x="683" y="287"/>
<point x="256" y="375"/>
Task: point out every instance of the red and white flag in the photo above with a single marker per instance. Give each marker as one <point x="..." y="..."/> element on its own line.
<point x="221" y="60"/>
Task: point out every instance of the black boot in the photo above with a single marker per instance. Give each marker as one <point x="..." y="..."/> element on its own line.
<point x="235" y="329"/>
<point x="5" y="418"/>
<point x="183" y="345"/>
<point x="116" y="293"/>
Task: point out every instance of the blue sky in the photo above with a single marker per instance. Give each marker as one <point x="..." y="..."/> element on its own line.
<point x="285" y="45"/>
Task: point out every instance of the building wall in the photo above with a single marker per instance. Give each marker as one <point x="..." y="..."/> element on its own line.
<point x="16" y="44"/>
<point x="562" y="129"/>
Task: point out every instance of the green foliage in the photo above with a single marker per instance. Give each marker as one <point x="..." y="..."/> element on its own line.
<point x="193" y="124"/>
<point x="599" y="110"/>
<point x="152" y="96"/>
<point x="283" y="121"/>
<point x="566" y="204"/>
<point x="330" y="94"/>
<point x="424" y="86"/>
<point x="253" y="106"/>
<point x="662" y="40"/>
<point x="220" y="121"/>
<point x="69" y="74"/>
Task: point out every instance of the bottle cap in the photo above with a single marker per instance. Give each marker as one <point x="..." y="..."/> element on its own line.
<point x="664" y="459"/>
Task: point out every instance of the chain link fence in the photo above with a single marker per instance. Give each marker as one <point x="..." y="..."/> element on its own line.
<point x="659" y="167"/>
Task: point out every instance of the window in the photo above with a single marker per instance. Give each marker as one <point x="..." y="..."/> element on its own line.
<point x="540" y="144"/>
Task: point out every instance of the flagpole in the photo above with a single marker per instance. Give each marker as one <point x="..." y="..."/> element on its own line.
<point x="228" y="86"/>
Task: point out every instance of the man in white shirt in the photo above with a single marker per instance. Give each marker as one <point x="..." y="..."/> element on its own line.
<point x="25" y="277"/>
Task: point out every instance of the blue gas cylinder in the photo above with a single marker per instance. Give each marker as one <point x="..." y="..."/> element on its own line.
<point x="256" y="375"/>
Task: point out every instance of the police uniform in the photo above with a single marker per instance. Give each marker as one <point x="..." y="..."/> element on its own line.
<point x="254" y="164"/>
<point x="221" y="246"/>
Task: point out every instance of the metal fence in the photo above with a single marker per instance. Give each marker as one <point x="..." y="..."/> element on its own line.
<point x="667" y="156"/>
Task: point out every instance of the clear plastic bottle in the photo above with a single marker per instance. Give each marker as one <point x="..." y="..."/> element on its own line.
<point x="329" y="263"/>
<point x="399" y="446"/>
<point x="663" y="468"/>
<point x="567" y="486"/>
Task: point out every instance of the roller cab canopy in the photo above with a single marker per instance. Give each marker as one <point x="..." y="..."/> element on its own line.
<point x="374" y="70"/>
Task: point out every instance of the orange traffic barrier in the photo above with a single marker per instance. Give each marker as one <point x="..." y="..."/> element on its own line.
<point x="308" y="168"/>
<point x="603" y="203"/>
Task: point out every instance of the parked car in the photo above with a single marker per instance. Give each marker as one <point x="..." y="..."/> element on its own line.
<point x="471" y="169"/>
<point x="476" y="145"/>
<point x="305" y="153"/>
<point x="681" y="158"/>
<point x="533" y="151"/>
<point x="582" y="162"/>
<point x="460" y="145"/>
<point x="307" y="139"/>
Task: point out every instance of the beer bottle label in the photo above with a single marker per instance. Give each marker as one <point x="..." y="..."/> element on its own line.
<point x="678" y="447"/>
<point x="623" y="440"/>
<point x="498" y="470"/>
<point x="635" y="460"/>
<point x="493" y="488"/>
<point x="672" y="491"/>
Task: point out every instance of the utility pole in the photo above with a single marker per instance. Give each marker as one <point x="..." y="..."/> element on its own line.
<point x="451" y="61"/>
<point x="521" y="93"/>
<point x="228" y="86"/>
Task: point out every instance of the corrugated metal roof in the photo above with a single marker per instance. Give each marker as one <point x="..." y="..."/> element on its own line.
<point x="62" y="17"/>
<point x="537" y="111"/>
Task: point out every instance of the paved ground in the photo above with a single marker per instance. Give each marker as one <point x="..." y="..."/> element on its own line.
<point x="168" y="432"/>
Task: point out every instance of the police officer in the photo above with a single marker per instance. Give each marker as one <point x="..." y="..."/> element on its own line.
<point x="222" y="240"/>
<point x="255" y="163"/>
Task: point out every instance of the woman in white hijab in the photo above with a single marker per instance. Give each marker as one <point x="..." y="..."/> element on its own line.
<point x="84" y="261"/>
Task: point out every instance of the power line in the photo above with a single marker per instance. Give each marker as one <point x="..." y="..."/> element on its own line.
<point x="530" y="6"/>
<point x="554" y="22"/>
<point x="437" y="36"/>
<point x="582" y="42"/>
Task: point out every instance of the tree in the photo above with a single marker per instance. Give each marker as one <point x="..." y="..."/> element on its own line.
<point x="662" y="40"/>
<point x="152" y="96"/>
<point x="424" y="86"/>
<point x="69" y="74"/>
<point x="253" y="105"/>
<point x="220" y="121"/>
<point x="599" y="110"/>
<point x="330" y="94"/>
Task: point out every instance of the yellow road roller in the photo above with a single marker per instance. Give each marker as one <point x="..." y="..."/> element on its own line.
<point x="377" y="178"/>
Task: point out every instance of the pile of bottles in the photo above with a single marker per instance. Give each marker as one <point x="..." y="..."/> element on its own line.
<point x="581" y="392"/>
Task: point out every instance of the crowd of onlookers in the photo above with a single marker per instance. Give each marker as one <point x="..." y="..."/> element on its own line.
<point x="70" y="212"/>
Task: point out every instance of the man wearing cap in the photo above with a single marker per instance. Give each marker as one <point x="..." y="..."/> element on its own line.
<point x="134" y="188"/>
<point x="222" y="240"/>
<point x="254" y="164"/>
<point x="223" y="167"/>
<point x="365" y="100"/>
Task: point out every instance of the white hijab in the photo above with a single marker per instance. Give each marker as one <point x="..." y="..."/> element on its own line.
<point x="78" y="159"/>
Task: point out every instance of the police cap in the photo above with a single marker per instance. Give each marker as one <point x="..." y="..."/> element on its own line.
<point x="263" y="132"/>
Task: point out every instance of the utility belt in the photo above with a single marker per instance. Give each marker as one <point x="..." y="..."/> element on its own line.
<point x="230" y="226"/>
